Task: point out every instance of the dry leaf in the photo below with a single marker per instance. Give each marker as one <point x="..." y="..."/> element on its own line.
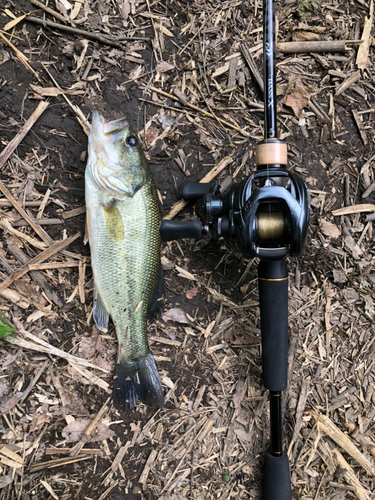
<point x="74" y="431"/>
<point x="190" y="294"/>
<point x="305" y="36"/>
<point x="4" y="56"/>
<point x="126" y="9"/>
<point x="297" y="95"/>
<point x="241" y="388"/>
<point x="176" y="314"/>
<point x="164" y="66"/>
<point x="329" y="229"/>
<point x="134" y="427"/>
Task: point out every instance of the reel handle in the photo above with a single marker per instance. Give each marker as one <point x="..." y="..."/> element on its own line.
<point x="194" y="190"/>
<point x="174" y="230"/>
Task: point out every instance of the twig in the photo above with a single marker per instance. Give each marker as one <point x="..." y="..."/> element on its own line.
<point x="207" y="178"/>
<point x="46" y="254"/>
<point x="36" y="275"/>
<point x="49" y="10"/>
<point x="21" y="57"/>
<point x="90" y="430"/>
<point x="57" y="463"/>
<point x="326" y="426"/>
<point x="196" y="108"/>
<point x="363" y="51"/>
<point x="8" y="150"/>
<point x="350" y="476"/>
<point x="15" y="400"/>
<point x="80" y="116"/>
<point x="354" y="209"/>
<point x="7" y="204"/>
<point x="252" y="66"/>
<point x="321" y="46"/>
<point x="40" y="345"/>
<point x="87" y="34"/>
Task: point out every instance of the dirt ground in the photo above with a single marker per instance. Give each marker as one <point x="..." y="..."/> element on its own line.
<point x="209" y="439"/>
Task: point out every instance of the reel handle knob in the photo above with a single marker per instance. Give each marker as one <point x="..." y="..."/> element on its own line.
<point x="175" y="230"/>
<point x="196" y="190"/>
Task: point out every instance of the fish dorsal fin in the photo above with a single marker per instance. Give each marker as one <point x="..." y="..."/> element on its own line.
<point x="100" y="313"/>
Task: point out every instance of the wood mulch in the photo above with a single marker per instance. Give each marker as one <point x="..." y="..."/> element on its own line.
<point x="191" y="74"/>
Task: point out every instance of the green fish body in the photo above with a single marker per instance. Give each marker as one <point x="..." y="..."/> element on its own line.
<point x="122" y="227"/>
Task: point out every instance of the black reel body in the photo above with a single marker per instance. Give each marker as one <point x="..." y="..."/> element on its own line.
<point x="267" y="213"/>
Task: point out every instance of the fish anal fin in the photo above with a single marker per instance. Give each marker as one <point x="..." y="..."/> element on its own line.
<point x="100" y="313"/>
<point x="137" y="379"/>
<point x="113" y="223"/>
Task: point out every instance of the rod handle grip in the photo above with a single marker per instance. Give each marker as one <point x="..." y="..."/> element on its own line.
<point x="273" y="302"/>
<point x="175" y="230"/>
<point x="276" y="479"/>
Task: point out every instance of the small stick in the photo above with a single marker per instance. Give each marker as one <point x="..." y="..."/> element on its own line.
<point x="354" y="209"/>
<point x="326" y="426"/>
<point x="87" y="34"/>
<point x="363" y="51"/>
<point x="321" y="46"/>
<point x="348" y="82"/>
<point x="80" y="116"/>
<point x="52" y="250"/>
<point x="57" y="463"/>
<point x="207" y="178"/>
<point x="15" y="400"/>
<point x="40" y="345"/>
<point x="89" y="431"/>
<point x="29" y="204"/>
<point x="49" y="10"/>
<point x="252" y="66"/>
<point x="36" y="275"/>
<point x="196" y="108"/>
<point x="8" y="150"/>
<point x="21" y="57"/>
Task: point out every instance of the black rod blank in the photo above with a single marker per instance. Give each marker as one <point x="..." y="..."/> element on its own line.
<point x="269" y="70"/>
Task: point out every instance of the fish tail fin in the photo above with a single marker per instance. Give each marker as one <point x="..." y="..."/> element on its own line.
<point x="138" y="379"/>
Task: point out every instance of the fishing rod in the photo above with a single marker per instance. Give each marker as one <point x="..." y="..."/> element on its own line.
<point x="268" y="214"/>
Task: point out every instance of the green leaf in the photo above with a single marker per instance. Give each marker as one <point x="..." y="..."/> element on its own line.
<point x="5" y="327"/>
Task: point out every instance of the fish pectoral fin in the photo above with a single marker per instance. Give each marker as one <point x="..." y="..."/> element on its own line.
<point x="113" y="223"/>
<point x="100" y="313"/>
<point x="86" y="238"/>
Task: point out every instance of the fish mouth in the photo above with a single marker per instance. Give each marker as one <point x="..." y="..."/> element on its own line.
<point x="113" y="128"/>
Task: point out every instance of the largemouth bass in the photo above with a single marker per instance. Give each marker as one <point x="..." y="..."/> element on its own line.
<point x="122" y="227"/>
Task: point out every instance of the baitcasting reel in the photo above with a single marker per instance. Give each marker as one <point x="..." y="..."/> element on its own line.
<point x="267" y="213"/>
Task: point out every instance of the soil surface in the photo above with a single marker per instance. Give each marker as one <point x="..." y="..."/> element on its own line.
<point x="209" y="439"/>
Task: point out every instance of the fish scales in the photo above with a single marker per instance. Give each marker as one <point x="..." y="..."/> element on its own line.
<point x="123" y="231"/>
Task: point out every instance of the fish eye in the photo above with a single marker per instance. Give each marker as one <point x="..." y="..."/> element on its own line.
<point x="132" y="141"/>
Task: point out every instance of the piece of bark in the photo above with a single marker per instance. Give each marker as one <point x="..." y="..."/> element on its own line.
<point x="252" y="66"/>
<point x="363" y="51"/>
<point x="348" y="82"/>
<point x="36" y="275"/>
<point x="309" y="47"/>
<point x="358" y="122"/>
<point x="326" y="426"/>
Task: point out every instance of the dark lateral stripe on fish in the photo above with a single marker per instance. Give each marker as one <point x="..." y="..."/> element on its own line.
<point x="137" y="380"/>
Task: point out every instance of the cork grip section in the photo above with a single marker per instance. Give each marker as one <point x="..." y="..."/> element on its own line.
<point x="271" y="153"/>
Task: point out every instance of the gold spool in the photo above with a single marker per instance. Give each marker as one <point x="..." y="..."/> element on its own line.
<point x="271" y="225"/>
